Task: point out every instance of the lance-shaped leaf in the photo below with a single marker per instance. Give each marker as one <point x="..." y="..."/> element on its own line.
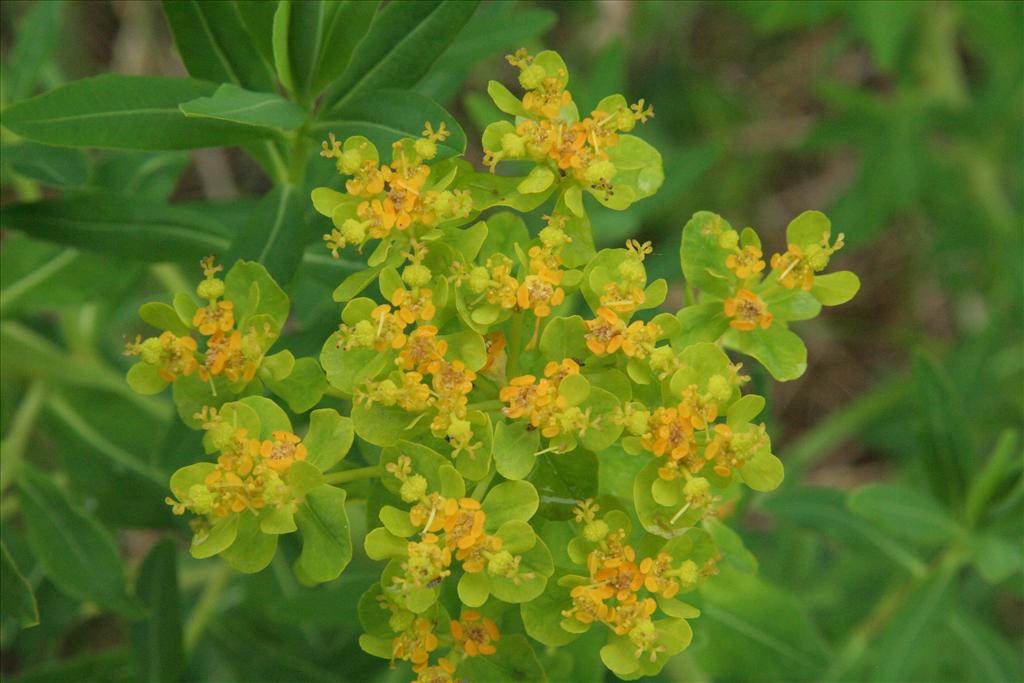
<point x="74" y="551"/>
<point x="147" y="231"/>
<point x="313" y="41"/>
<point x="246" y="108"/>
<point x="210" y="39"/>
<point x="125" y="112"/>
<point x="16" y="598"/>
<point x="403" y="41"/>
<point x="157" y="641"/>
<point x="275" y="235"/>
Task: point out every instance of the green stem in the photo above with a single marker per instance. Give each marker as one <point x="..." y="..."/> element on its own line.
<point x="346" y="476"/>
<point x="297" y="159"/>
<point x="204" y="609"/>
<point x="483" y="485"/>
<point x="15" y="441"/>
<point x="514" y="343"/>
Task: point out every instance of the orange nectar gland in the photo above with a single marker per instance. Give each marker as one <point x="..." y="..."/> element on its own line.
<point x="475" y="634"/>
<point x="579" y="148"/>
<point x="607" y="334"/>
<point x="415" y="644"/>
<point x="174" y="356"/>
<point x="393" y="193"/>
<point x="748" y="311"/>
<point x="745" y="261"/>
<point x="540" y="403"/>
<point x="442" y="672"/>
<point x="797" y="266"/>
<point x="671" y="430"/>
<point x="730" y="450"/>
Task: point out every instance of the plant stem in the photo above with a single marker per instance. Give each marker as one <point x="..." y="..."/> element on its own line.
<point x="13" y="445"/>
<point x="514" y="342"/>
<point x="346" y="476"/>
<point x="483" y="485"/>
<point x="207" y="603"/>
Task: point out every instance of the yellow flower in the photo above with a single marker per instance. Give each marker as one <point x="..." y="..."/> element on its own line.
<point x="745" y="262"/>
<point x="588" y="604"/>
<point x="539" y="293"/>
<point x="414" y="305"/>
<point x="604" y="333"/>
<point x="284" y="449"/>
<point x="463" y="522"/>
<point x="748" y="311"/>
<point x="442" y="672"/>
<point x="415" y="644"/>
<point x="655" y="572"/>
<point x="475" y="634"/>
<point x="217" y="317"/>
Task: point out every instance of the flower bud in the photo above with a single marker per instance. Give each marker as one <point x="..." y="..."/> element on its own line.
<point x="689" y="573"/>
<point x="595" y="531"/>
<point x="210" y="289"/>
<point x="151" y="351"/>
<point x="632" y="271"/>
<point x="696" y="488"/>
<point x="459" y="428"/>
<point x="222" y="435"/>
<point x="624" y="120"/>
<point x="719" y="387"/>
<point x="532" y="77"/>
<point x="513" y="145"/>
<point x="200" y="499"/>
<point x="413" y="488"/>
<point x="350" y="161"/>
<point x="416" y="275"/>
<point x="425" y="148"/>
<point x="501" y="564"/>
<point x="364" y="334"/>
<point x="554" y="237"/>
<point x="353" y="231"/>
<point x="479" y="279"/>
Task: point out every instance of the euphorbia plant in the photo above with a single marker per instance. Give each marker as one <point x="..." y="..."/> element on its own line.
<point x="492" y="375"/>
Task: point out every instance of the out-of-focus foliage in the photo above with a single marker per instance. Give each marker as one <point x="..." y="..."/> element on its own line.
<point x="893" y="551"/>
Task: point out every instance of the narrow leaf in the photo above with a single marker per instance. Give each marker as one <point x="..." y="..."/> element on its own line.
<point x="244" y="107"/>
<point x="274" y="238"/>
<point x="16" y="598"/>
<point x="74" y="551"/>
<point x="157" y="641"/>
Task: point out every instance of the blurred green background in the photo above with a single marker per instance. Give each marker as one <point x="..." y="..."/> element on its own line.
<point x="894" y="550"/>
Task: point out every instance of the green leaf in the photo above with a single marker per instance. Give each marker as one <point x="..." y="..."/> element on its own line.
<point x="210" y="38"/>
<point x="563" y="480"/>
<point x="513" y="662"/>
<point x="703" y="258"/>
<point x="744" y="410"/>
<point x="542" y="616"/>
<point x="945" y="439"/>
<point x="326" y="539"/>
<point x="303" y="388"/>
<point x="792" y="304"/>
<point x="245" y="107"/>
<point x="922" y="613"/>
<point x="347" y="23"/>
<point x="514" y="448"/>
<point x="510" y="500"/>
<point x="639" y="173"/>
<point x="146" y="379"/>
<point x="986" y="653"/>
<point x="779" y="640"/>
<point x="276" y="237"/>
<point x="74" y="551"/>
<point x="163" y="317"/>
<point x="403" y="41"/>
<point x="824" y="511"/>
<point x="252" y="550"/>
<point x="808" y="229"/>
<point x="763" y="472"/>
<point x="381" y="425"/>
<point x="221" y="535"/>
<point x="53" y="166"/>
<point x="157" y="640"/>
<point x="124" y="112"/>
<point x="329" y="438"/>
<point x="38" y="34"/>
<point x="142" y="230"/>
<point x="903" y="512"/>
<point x="255" y="293"/>
<point x="16" y="598"/>
<point x="258" y="18"/>
<point x="388" y="115"/>
<point x="780" y="351"/>
<point x="996" y="558"/>
<point x="504" y="99"/>
<point x="731" y="545"/>
<point x="474" y="589"/>
<point x="272" y="417"/>
<point x="834" y="289"/>
<point x="999" y="466"/>
<point x="538" y="179"/>
<point x="701" y="323"/>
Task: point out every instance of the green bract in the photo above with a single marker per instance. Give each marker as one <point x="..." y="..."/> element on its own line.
<point x="541" y="436"/>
